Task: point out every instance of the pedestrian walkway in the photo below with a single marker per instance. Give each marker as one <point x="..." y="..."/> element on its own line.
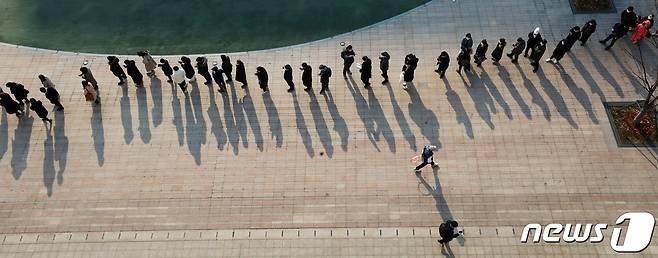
<point x="514" y="147"/>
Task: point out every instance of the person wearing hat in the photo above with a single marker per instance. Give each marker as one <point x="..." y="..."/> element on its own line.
<point x="629" y="17"/>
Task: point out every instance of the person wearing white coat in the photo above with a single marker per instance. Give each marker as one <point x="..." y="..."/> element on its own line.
<point x="179" y="78"/>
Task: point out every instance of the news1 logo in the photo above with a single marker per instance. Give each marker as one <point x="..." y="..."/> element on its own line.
<point x="637" y="238"/>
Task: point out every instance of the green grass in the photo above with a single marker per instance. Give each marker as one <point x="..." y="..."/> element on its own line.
<point x="185" y="26"/>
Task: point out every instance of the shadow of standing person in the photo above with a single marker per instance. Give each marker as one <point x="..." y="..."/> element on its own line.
<point x="126" y="116"/>
<point x="273" y="120"/>
<point x="321" y="125"/>
<point x="156" y="96"/>
<point x="216" y="127"/>
<point x="48" y="164"/>
<point x="424" y="118"/>
<point x="20" y="146"/>
<point x="98" y="134"/>
<point x="301" y="127"/>
<point x="4" y="135"/>
<point x="252" y="117"/>
<point x="177" y="115"/>
<point x="143" y="116"/>
<point x="402" y="120"/>
<point x="339" y="122"/>
<point x="61" y="145"/>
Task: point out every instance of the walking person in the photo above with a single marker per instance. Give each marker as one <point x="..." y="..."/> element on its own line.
<point x="619" y="30"/>
<point x="427" y="157"/>
<point x="261" y="74"/>
<point x="41" y="111"/>
<point x="481" y="53"/>
<point x="366" y="71"/>
<point x="186" y="63"/>
<point x="116" y="69"/>
<point x="148" y="61"/>
<point x="219" y="78"/>
<point x="348" y="59"/>
<point x="442" y="63"/>
<point x="227" y="67"/>
<point x="53" y="96"/>
<point x="166" y="69"/>
<point x="574" y="35"/>
<point x="240" y="73"/>
<point x="307" y="76"/>
<point x="90" y="93"/>
<point x="497" y="53"/>
<point x="19" y="92"/>
<point x="46" y="82"/>
<point x="287" y="76"/>
<point x="325" y="74"/>
<point x="537" y="52"/>
<point x="588" y="29"/>
<point x="558" y="53"/>
<point x="534" y="37"/>
<point x="384" y="58"/>
<point x="202" y="67"/>
<point x="178" y="77"/>
<point x="447" y="232"/>
<point x="641" y="32"/>
<point x="629" y="17"/>
<point x="467" y="43"/>
<point x="134" y="73"/>
<point x="517" y="49"/>
<point x="86" y="75"/>
<point x="10" y="105"/>
<point x="464" y="61"/>
<point x="409" y="69"/>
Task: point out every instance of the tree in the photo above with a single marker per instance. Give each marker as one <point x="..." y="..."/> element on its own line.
<point x="649" y="84"/>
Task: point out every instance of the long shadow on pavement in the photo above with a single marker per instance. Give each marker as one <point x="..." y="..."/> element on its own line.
<point x="143" y="115"/>
<point x="556" y="98"/>
<point x="536" y="96"/>
<point x="456" y="103"/>
<point x="49" y="173"/>
<point x="156" y="96"/>
<point x="507" y="80"/>
<point x="440" y="201"/>
<point x="603" y="70"/>
<point x="252" y="117"/>
<point x="488" y="84"/>
<point x="126" y="115"/>
<point x="378" y="117"/>
<point x="401" y="119"/>
<point x="273" y="120"/>
<point x="216" y="127"/>
<point x="238" y="115"/>
<point x="231" y="128"/>
<point x="424" y="118"/>
<point x="20" y="146"/>
<point x="98" y="133"/>
<point x="482" y="101"/>
<point x="4" y="134"/>
<point x="362" y="111"/>
<point x="301" y="127"/>
<point x="339" y="123"/>
<point x="321" y="125"/>
<point x="580" y="94"/>
<point x="61" y="145"/>
<point x="177" y="114"/>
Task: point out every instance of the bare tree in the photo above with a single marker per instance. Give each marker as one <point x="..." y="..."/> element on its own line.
<point x="643" y="74"/>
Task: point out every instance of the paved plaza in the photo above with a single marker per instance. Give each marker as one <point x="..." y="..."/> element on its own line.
<point x="153" y="172"/>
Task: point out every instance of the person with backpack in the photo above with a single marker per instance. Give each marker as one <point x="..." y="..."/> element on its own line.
<point x="383" y="65"/>
<point x="534" y="37"/>
<point x="325" y="74"/>
<point x="19" y="92"/>
<point x="464" y="60"/>
<point x="447" y="232"/>
<point x="41" y="111"/>
<point x="427" y="157"/>
<point x="348" y="59"/>
<point x="517" y="49"/>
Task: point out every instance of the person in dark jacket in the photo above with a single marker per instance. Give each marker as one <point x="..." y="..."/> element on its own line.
<point x="307" y="76"/>
<point x="517" y="49"/>
<point x="240" y="73"/>
<point x="447" y="231"/>
<point x="202" y="67"/>
<point x="464" y="60"/>
<point x="619" y="30"/>
<point x="536" y="55"/>
<point x="186" y="63"/>
<point x="442" y="63"/>
<point x="534" y="37"/>
<point x="366" y="71"/>
<point x="588" y="29"/>
<point x="134" y="72"/>
<point x="166" y="68"/>
<point x="497" y="53"/>
<point x="481" y="53"/>
<point x="409" y="69"/>
<point x="40" y="110"/>
<point x="10" y="105"/>
<point x="574" y="35"/>
<point x="558" y="53"/>
<point x="261" y="74"/>
<point x="116" y="69"/>
<point x="325" y="74"/>
<point x="19" y="92"/>
<point x="467" y="42"/>
<point x="53" y="96"/>
<point x="287" y="76"/>
<point x="227" y="67"/>
<point x="384" y="58"/>
<point x="348" y="59"/>
<point x="628" y="17"/>
<point x="219" y="78"/>
<point x="427" y="155"/>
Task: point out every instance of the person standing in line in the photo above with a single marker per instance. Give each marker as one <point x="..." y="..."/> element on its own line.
<point x="10" y="105"/>
<point x="447" y="232"/>
<point x="464" y="60"/>
<point x="641" y="32"/>
<point x="86" y="75"/>
<point x="202" y="67"/>
<point x="134" y="73"/>
<point x="534" y="37"/>
<point x="588" y="29"/>
<point x="45" y="81"/>
<point x="325" y="74"/>
<point x="116" y="69"/>
<point x="574" y="35"/>
<point x="650" y="19"/>
<point x="53" y="96"/>
<point x="261" y="74"/>
<point x="481" y="53"/>
<point x="442" y="62"/>
<point x="41" y="111"/>
<point x="307" y="76"/>
<point x="517" y="49"/>
<point x="186" y="63"/>
<point x="409" y="69"/>
<point x="619" y="30"/>
<point x="178" y="77"/>
<point x="90" y="94"/>
<point x="427" y="156"/>
<point x="227" y="67"/>
<point x="19" y="92"/>
<point x="348" y="59"/>
<point x="558" y="53"/>
<point x="148" y="61"/>
<point x="467" y="43"/>
<point x="536" y="55"/>
<point x="166" y="68"/>
<point x="629" y="18"/>
<point x="287" y="76"/>
<point x="366" y="71"/>
<point x="384" y="58"/>
<point x="219" y="78"/>
<point x="497" y="53"/>
<point x="240" y="73"/>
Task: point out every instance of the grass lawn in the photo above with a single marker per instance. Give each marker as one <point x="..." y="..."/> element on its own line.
<point x="185" y="26"/>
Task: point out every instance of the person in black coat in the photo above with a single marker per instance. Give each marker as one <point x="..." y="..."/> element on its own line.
<point x="11" y="106"/>
<point x="536" y="55"/>
<point x="40" y="110"/>
<point x="481" y="53"/>
<point x="325" y="74"/>
<point x="409" y="69"/>
<point x="227" y="67"/>
<point x="307" y="76"/>
<point x="383" y="65"/>
<point x="497" y="53"/>
<point x="348" y="59"/>
<point x="619" y="30"/>
<point x="464" y="60"/>
<point x="534" y="37"/>
<point x="166" y="68"/>
<point x="558" y="53"/>
<point x="574" y="35"/>
<point x="587" y="31"/>
<point x="261" y="74"/>
<point x="219" y="78"/>
<point x="53" y="96"/>
<point x="447" y="231"/>
<point x="116" y="69"/>
<point x="186" y="63"/>
<point x="134" y="72"/>
<point x="366" y="71"/>
<point x="287" y="76"/>
<point x="628" y="17"/>
<point x="19" y="92"/>
<point x="202" y="67"/>
<point x="442" y="62"/>
<point x="240" y="73"/>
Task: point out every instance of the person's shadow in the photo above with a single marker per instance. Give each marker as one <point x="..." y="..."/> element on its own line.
<point x="301" y="127"/>
<point x="424" y="118"/>
<point x="273" y="120"/>
<point x="48" y="164"/>
<point x="20" y="145"/>
<point x="98" y="134"/>
<point x="4" y="135"/>
<point x="143" y="115"/>
<point x="177" y="114"/>
<point x="156" y="96"/>
<point x="126" y="116"/>
<point x="216" y="127"/>
<point x="320" y="125"/>
<point x="401" y="119"/>
<point x="457" y="105"/>
<point x="61" y="145"/>
<point x="339" y="122"/>
<point x="252" y="117"/>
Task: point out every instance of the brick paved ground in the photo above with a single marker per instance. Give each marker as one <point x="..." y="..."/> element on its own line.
<point x="516" y="148"/>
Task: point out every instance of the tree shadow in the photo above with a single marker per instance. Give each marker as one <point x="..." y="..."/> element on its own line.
<point x="177" y="115"/>
<point x="98" y="134"/>
<point x="401" y="119"/>
<point x="507" y="80"/>
<point x="156" y="96"/>
<point x="378" y="117"/>
<point x="339" y="123"/>
<point x="556" y="98"/>
<point x="495" y="93"/>
<point x="126" y="116"/>
<point x="424" y="118"/>
<point x="252" y="117"/>
<point x="460" y="112"/>
<point x="4" y="134"/>
<point x="536" y="97"/>
<point x="238" y="115"/>
<point x="273" y="120"/>
<point x="482" y="101"/>
<point x="231" y="128"/>
<point x="320" y="125"/>
<point x="301" y="127"/>
<point x="362" y="111"/>
<point x="61" y="145"/>
<point x="48" y="164"/>
<point x="581" y="96"/>
<point x="603" y="71"/>
<point x="216" y="127"/>
<point x="143" y="115"/>
<point x="20" y="145"/>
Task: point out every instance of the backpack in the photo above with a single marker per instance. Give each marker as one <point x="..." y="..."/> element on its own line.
<point x="328" y="71"/>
